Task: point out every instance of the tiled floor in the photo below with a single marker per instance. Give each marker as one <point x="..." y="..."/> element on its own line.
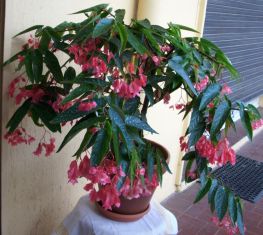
<point x="195" y="219"/>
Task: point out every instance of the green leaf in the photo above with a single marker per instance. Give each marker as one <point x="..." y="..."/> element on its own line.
<point x="44" y="41"/>
<point x="188" y="168"/>
<point x="150" y="163"/>
<point x="245" y="120"/>
<point x="69" y="75"/>
<point x="232" y="207"/>
<point x="175" y="64"/>
<point x="123" y="35"/>
<point x="254" y="111"/>
<point x="29" y="29"/>
<point x="102" y="27"/>
<point x="212" y="191"/>
<point x="159" y="167"/>
<point x="196" y="127"/>
<point x="75" y="93"/>
<point x="149" y="93"/>
<point x="53" y="65"/>
<point x="46" y="114"/>
<point x="138" y="123"/>
<point x="203" y="191"/>
<point x="37" y="65"/>
<point x="240" y="222"/>
<point x="115" y="140"/>
<point x="18" y="116"/>
<point x="182" y="27"/>
<point x="101" y="145"/>
<point x="131" y="105"/>
<point x="221" y="202"/>
<point x="221" y="114"/>
<point x="151" y="39"/>
<point x="119" y="15"/>
<point x="116" y="118"/>
<point x="86" y="139"/>
<point x="28" y="66"/>
<point x="188" y="156"/>
<point x="78" y="127"/>
<point x="209" y="94"/>
<point x="14" y="57"/>
<point x="73" y="112"/>
<point x="96" y="8"/>
<point x="136" y="43"/>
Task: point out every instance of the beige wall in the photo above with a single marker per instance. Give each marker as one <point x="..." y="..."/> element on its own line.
<point x="35" y="193"/>
<point x="166" y="121"/>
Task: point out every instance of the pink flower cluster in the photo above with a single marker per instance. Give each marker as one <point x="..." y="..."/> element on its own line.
<point x="165" y="48"/>
<point x="226" y="90"/>
<point x="33" y="42"/>
<point x="128" y="91"/>
<point x="87" y="106"/>
<point x="84" y="56"/>
<point x="257" y="124"/>
<point x="103" y="179"/>
<point x="49" y="148"/>
<point x="200" y="86"/>
<point x="221" y="154"/>
<point x="19" y="136"/>
<point x="178" y="106"/>
<point x="226" y="224"/>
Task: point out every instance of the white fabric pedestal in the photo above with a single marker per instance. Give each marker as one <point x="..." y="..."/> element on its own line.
<point x="86" y="220"/>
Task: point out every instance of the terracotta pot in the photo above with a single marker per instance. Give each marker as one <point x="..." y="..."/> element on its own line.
<point x="134" y="209"/>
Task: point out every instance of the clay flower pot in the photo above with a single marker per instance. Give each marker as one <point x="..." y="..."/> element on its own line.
<point x="136" y="208"/>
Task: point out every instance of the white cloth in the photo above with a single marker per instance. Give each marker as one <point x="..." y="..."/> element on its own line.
<point x="86" y="220"/>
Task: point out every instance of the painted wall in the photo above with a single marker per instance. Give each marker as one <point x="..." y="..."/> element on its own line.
<point x="35" y="193"/>
<point x="166" y="121"/>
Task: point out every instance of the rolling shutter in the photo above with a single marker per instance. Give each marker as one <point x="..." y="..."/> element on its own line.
<point x="236" y="26"/>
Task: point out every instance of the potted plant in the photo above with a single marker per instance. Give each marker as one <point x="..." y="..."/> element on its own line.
<point x="112" y="74"/>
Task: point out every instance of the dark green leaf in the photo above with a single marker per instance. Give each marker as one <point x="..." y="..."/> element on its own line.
<point x="240" y="222"/>
<point x="232" y="207"/>
<point x="116" y="118"/>
<point x="123" y="35"/>
<point x="44" y="41"/>
<point x="79" y="126"/>
<point x="245" y="120"/>
<point x="138" y="123"/>
<point x="212" y="191"/>
<point x="115" y="140"/>
<point x="136" y="43"/>
<point x="101" y="145"/>
<point x="221" y="202"/>
<point x="86" y="139"/>
<point x="46" y="114"/>
<point x="96" y="8"/>
<point x="37" y="65"/>
<point x="131" y="105"/>
<point x="18" y="116"/>
<point x="53" y="65"/>
<point x="78" y="91"/>
<point x="149" y="93"/>
<point x="209" y="94"/>
<point x="187" y="169"/>
<point x="254" y="111"/>
<point x="102" y="27"/>
<point x="119" y="15"/>
<point x="150" y="163"/>
<point x="69" y="75"/>
<point x="159" y="167"/>
<point x="175" y="64"/>
<point x="28" y="66"/>
<point x="14" y="57"/>
<point x="203" y="191"/>
<point x="221" y="114"/>
<point x="29" y="29"/>
<point x="182" y="27"/>
<point x="189" y="156"/>
<point x="151" y="39"/>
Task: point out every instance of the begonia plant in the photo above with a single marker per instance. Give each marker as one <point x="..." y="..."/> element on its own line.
<point x="109" y="75"/>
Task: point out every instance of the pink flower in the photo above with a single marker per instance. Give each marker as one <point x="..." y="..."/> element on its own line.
<point x="183" y="144"/>
<point x="38" y="150"/>
<point x="211" y="105"/>
<point x="19" y="136"/>
<point x="33" y="42"/>
<point x="221" y="154"/>
<point x="191" y="174"/>
<point x="84" y="167"/>
<point x="20" y="58"/>
<point x="202" y="84"/>
<point x="166" y="98"/>
<point x="257" y="124"/>
<point x="226" y="90"/>
<point x="131" y="68"/>
<point x="73" y="173"/>
<point x="87" y="106"/>
<point x="165" y="48"/>
<point x="157" y="60"/>
<point x="50" y="147"/>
